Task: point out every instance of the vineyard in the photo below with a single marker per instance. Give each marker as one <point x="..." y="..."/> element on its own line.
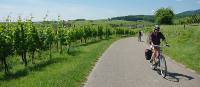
<point x="27" y="38"/>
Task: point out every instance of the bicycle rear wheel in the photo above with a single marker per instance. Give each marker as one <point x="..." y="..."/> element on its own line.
<point x="163" y="66"/>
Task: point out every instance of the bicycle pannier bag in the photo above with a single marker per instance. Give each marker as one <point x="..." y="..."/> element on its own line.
<point x="148" y="54"/>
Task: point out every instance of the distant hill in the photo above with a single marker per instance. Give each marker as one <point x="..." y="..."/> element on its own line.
<point x="151" y="17"/>
<point x="188" y="13"/>
<point x="135" y="18"/>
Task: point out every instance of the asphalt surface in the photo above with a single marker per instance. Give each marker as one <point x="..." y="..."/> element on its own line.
<point x="124" y="65"/>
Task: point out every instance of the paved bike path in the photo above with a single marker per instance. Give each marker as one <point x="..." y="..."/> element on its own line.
<point x="124" y="65"/>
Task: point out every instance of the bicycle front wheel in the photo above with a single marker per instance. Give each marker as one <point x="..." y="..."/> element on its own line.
<point x="163" y="66"/>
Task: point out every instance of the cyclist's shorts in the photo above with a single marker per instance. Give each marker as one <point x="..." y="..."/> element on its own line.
<point x="155" y="47"/>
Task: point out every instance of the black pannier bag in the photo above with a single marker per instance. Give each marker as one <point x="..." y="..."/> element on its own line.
<point x="148" y="54"/>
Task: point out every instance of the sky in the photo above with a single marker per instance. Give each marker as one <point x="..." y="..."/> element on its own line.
<point x="89" y="9"/>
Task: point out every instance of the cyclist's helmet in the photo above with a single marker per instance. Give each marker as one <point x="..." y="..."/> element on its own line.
<point x="157" y="27"/>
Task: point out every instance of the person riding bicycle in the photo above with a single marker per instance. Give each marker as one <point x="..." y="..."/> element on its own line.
<point x="155" y="39"/>
<point x="140" y="36"/>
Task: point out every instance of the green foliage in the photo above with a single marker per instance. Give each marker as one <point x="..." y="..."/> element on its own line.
<point x="6" y="45"/>
<point x="164" y="16"/>
<point x="184" y="44"/>
<point x="21" y="40"/>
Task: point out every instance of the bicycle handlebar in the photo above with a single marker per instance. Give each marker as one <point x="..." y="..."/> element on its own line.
<point x="161" y="46"/>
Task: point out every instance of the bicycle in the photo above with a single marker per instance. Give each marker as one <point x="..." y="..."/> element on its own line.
<point x="161" y="62"/>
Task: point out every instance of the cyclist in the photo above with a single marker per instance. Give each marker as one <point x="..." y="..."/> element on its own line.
<point x="140" y="36"/>
<point x="155" y="38"/>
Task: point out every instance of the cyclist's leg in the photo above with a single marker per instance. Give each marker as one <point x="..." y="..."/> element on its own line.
<point x="153" y="55"/>
<point x="156" y="54"/>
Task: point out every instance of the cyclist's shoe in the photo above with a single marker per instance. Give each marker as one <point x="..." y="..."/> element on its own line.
<point x="153" y="63"/>
<point x="156" y="60"/>
<point x="151" y="60"/>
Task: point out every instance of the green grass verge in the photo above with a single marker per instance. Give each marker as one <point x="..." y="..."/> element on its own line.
<point x="66" y="70"/>
<point x="185" y="44"/>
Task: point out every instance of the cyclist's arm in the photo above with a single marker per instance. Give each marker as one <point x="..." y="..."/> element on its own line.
<point x="163" y="38"/>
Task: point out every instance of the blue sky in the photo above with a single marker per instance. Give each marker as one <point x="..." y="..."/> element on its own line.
<point x="89" y="9"/>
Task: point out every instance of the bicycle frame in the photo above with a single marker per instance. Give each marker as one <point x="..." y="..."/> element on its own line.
<point x="161" y="64"/>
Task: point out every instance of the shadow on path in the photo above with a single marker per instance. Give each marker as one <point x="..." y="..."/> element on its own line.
<point x="176" y="77"/>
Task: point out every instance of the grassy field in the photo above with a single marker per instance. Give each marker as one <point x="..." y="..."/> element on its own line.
<point x="185" y="44"/>
<point x="66" y="70"/>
